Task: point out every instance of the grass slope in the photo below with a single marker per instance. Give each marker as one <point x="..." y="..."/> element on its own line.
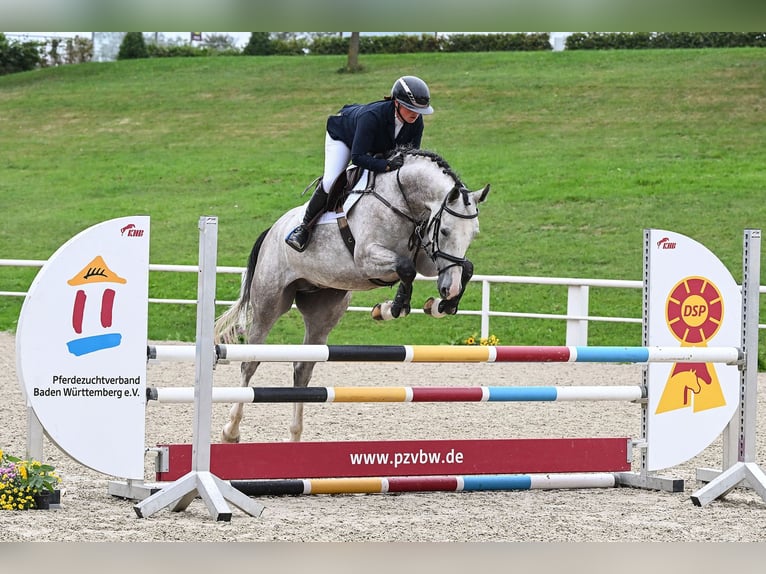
<point x="583" y="150"/>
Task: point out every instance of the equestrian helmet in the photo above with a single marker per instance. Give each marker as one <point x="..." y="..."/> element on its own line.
<point x="413" y="94"/>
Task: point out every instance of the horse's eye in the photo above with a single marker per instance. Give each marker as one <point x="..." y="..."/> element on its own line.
<point x="444" y="232"/>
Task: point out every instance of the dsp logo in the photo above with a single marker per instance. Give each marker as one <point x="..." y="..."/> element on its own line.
<point x="693" y="313"/>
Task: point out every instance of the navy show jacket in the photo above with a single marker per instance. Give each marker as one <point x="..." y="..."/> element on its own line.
<point x="368" y="129"/>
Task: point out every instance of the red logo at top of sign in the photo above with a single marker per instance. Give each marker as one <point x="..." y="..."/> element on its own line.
<point x="130" y="230"/>
<point x="666" y="243"/>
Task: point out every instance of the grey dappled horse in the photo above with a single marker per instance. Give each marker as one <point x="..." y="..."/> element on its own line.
<point x="419" y="219"/>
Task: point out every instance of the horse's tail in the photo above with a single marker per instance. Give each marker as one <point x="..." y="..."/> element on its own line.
<point x="232" y="325"/>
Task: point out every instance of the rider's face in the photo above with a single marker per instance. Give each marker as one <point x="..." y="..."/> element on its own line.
<point x="407" y="115"/>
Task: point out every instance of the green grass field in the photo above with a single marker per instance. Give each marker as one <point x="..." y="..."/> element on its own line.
<point x="583" y="151"/>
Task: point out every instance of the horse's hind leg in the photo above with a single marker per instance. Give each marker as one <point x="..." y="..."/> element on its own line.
<point x="321" y="311"/>
<point x="265" y="314"/>
<point x="230" y="431"/>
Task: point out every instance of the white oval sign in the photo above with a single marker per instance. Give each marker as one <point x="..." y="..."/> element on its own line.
<point x="81" y="346"/>
<point x="693" y="302"/>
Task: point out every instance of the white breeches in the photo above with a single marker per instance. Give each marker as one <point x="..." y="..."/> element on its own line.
<point x="336" y="158"/>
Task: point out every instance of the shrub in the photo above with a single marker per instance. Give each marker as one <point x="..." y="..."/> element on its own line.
<point x="79" y="50"/>
<point x="634" y="40"/>
<point x="221" y="43"/>
<point x="258" y="45"/>
<point x="133" y="47"/>
<point x="18" y="56"/>
<point x="180" y="51"/>
<point x="290" y="47"/>
<point x="496" y="42"/>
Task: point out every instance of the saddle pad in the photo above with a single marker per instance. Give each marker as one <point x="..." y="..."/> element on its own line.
<point x="332" y="216"/>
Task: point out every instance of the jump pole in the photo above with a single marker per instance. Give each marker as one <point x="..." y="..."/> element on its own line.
<point x="400" y="394"/>
<point x="396" y="484"/>
<point x="199" y="480"/>
<point x="450" y="354"/>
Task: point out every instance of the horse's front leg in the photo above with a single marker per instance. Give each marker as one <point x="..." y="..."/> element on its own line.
<point x="400" y="306"/>
<point x="441" y="307"/>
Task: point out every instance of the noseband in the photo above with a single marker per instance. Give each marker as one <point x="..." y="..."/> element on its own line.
<point x="431" y="244"/>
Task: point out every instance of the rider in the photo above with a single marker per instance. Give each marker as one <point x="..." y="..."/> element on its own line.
<point x="360" y="132"/>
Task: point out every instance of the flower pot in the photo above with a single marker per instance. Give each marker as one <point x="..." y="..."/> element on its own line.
<point x="47" y="500"/>
<point x="43" y="500"/>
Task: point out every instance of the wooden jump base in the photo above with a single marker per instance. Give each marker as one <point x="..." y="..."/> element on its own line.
<point x="391" y="458"/>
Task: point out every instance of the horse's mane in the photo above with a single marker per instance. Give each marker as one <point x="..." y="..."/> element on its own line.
<point x="433" y="156"/>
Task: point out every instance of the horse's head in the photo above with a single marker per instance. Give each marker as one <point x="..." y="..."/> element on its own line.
<point x="450" y="220"/>
<point x="448" y="235"/>
<point x="427" y="193"/>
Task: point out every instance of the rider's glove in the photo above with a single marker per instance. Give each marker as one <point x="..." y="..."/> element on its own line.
<point x="395" y="163"/>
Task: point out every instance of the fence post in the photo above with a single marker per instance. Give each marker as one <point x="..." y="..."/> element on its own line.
<point x="577" y="305"/>
<point x="485" y="307"/>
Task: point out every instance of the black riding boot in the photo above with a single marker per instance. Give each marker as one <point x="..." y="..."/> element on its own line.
<point x="299" y="237"/>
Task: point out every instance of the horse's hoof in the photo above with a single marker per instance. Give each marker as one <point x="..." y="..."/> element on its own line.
<point x="227" y="438"/>
<point x="431" y="307"/>
<point x="382" y="312"/>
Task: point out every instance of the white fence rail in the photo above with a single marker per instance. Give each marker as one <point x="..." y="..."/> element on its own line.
<point x="576" y="317"/>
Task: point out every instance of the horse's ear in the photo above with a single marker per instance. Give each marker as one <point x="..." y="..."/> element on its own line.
<point x="453" y="194"/>
<point x="483" y="194"/>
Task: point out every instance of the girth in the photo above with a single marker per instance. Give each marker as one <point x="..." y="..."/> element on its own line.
<point x="343" y="227"/>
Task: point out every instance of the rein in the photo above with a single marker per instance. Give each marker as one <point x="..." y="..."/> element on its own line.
<point x="425" y="233"/>
<point x="422" y="227"/>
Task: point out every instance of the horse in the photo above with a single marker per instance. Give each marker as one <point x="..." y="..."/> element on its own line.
<point x="418" y="219"/>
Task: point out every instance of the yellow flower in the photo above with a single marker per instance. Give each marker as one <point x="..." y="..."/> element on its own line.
<point x="470" y="341"/>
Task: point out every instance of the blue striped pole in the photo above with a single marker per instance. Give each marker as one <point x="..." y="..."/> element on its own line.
<point x="457" y="483"/>
<point x="452" y="354"/>
<point x="399" y="394"/>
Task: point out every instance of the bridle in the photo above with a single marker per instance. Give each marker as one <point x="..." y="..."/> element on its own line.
<point x="430" y="241"/>
<point x="425" y="234"/>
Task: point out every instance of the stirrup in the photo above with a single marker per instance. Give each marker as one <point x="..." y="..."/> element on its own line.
<point x="298" y="238"/>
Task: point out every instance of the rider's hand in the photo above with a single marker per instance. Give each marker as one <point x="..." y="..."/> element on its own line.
<point x="395" y="163"/>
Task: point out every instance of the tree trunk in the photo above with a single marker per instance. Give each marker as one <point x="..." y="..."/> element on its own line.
<point x="353" y="53"/>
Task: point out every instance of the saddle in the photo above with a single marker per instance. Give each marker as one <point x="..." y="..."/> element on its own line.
<point x="342" y="187"/>
<point x="337" y="196"/>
